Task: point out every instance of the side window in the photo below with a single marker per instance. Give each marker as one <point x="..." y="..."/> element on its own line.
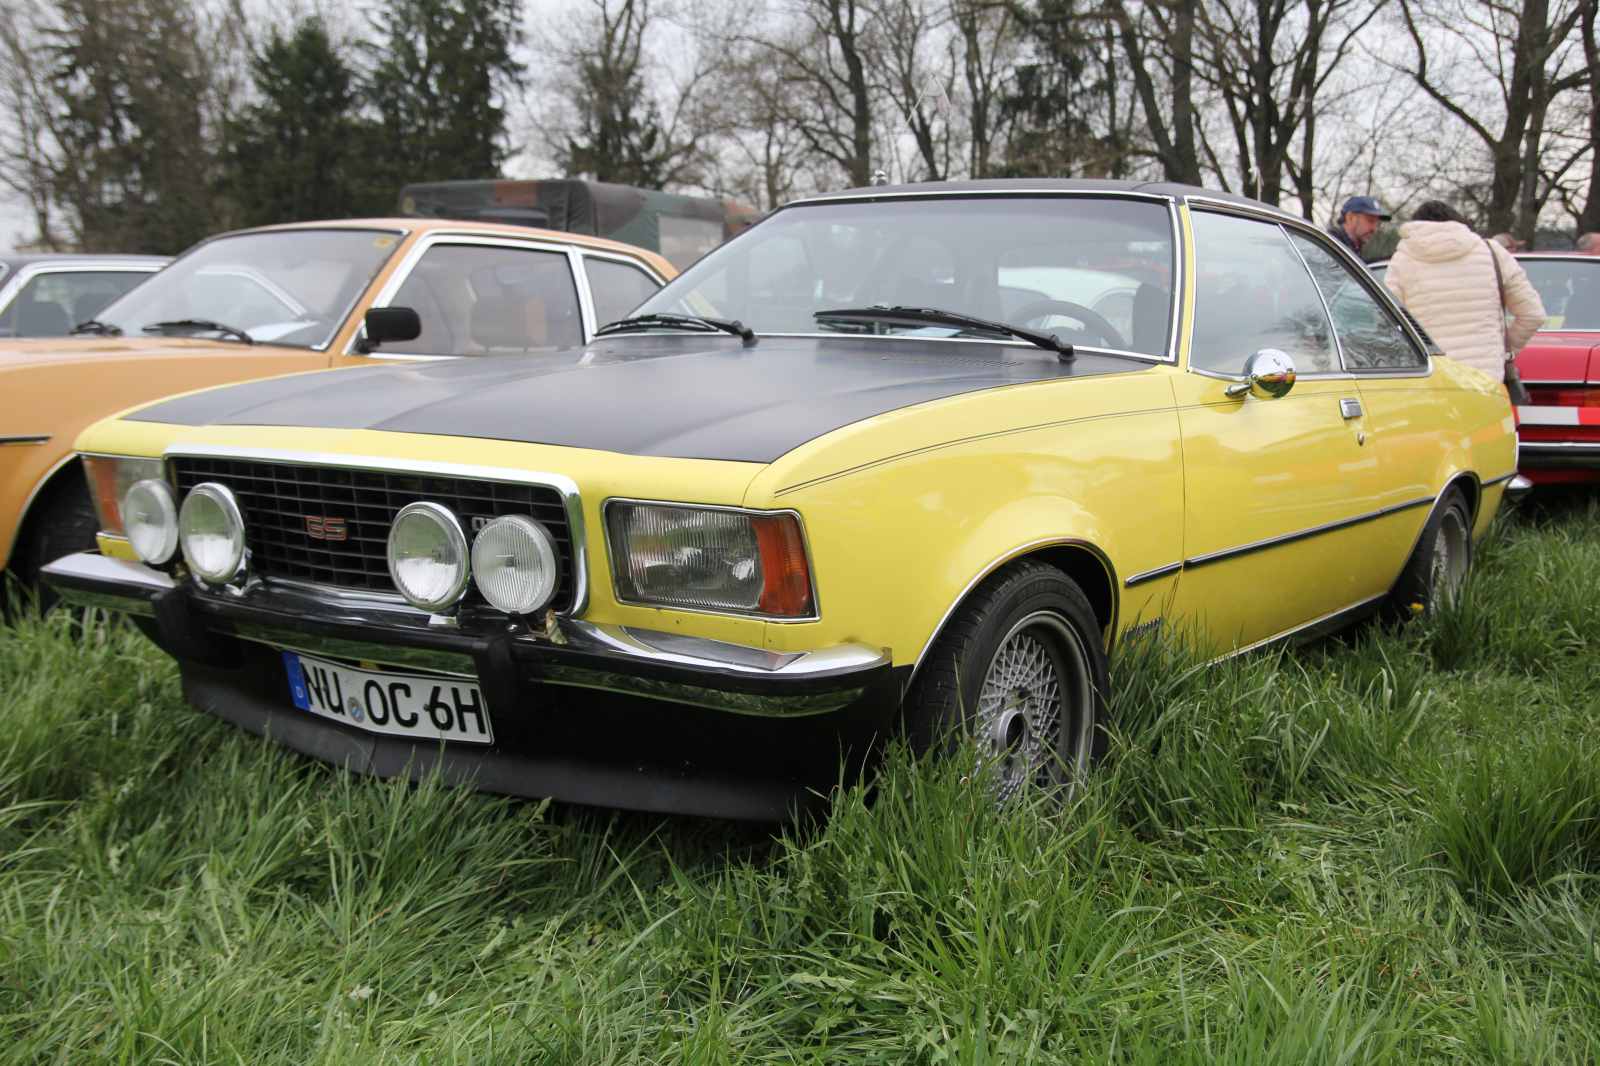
<point x="488" y="300"/>
<point x="617" y="288"/>
<point x="1371" y="337"/>
<point x="49" y="305"/>
<point x="1252" y="292"/>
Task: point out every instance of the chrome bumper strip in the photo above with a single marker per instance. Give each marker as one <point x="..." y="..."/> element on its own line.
<point x="1558" y="453"/>
<point x="659" y="665"/>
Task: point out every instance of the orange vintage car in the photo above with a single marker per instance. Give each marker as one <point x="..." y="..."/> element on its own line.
<point x="280" y="300"/>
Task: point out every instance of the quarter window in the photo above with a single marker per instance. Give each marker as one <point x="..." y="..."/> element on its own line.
<point x="490" y="300"/>
<point x="1252" y="291"/>
<point x="1569" y="290"/>
<point x="1371" y="337"/>
<point x="617" y="288"/>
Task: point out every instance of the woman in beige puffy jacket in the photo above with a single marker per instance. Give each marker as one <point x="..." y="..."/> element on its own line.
<point x="1443" y="273"/>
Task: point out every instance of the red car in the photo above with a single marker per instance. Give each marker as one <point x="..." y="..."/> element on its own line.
<point x="1558" y="433"/>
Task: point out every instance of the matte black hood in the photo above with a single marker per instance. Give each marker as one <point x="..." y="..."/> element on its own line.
<point x="686" y="397"/>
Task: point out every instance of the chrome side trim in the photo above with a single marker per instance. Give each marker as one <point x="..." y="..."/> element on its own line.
<point x="1151" y="575"/>
<point x="1312" y="531"/>
<point x="559" y="482"/>
<point x="24" y="438"/>
<point x="1497" y="480"/>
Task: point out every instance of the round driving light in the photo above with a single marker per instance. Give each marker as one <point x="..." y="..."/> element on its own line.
<point x="515" y="564"/>
<point x="212" y="532"/>
<point x="150" y="519"/>
<point x="428" y="556"/>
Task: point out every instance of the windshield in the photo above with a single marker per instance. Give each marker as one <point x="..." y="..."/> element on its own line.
<point x="1569" y="290"/>
<point x="1096" y="272"/>
<point x="289" y="287"/>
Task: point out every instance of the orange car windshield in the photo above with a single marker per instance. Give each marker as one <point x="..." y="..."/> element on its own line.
<point x="286" y="287"/>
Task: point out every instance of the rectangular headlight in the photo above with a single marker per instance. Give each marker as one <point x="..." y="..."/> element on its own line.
<point x="110" y="477"/>
<point x="710" y="558"/>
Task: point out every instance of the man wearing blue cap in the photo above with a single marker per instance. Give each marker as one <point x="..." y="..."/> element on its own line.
<point x="1358" y="221"/>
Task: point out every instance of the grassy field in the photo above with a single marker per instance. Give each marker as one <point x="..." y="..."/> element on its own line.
<point x="1379" y="849"/>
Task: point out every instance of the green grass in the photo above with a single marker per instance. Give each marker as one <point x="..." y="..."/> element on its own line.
<point x="1380" y="849"/>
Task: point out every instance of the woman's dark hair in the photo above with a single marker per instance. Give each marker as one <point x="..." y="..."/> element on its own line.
<point x="1436" y="211"/>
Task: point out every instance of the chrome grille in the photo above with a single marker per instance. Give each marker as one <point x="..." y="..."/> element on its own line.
<point x="278" y="498"/>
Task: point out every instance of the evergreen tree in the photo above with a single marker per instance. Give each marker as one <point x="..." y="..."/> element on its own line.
<point x="445" y="64"/>
<point x="1050" y="92"/>
<point x="298" y="155"/>
<point x="619" y="136"/>
<point x="136" y="168"/>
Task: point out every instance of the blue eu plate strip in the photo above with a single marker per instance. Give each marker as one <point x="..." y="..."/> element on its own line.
<point x="297" y="681"/>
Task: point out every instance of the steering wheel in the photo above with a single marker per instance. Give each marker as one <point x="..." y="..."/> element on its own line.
<point x="1097" y="326"/>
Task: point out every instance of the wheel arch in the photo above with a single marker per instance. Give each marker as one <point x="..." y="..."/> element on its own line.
<point x="69" y="466"/>
<point x="1081" y="560"/>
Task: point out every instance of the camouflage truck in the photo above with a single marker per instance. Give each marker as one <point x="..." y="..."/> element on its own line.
<point x="681" y="228"/>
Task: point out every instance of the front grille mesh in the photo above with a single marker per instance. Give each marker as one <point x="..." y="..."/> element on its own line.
<point x="277" y="498"/>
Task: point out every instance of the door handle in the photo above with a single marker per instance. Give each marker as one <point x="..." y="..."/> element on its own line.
<point x="1350" y="408"/>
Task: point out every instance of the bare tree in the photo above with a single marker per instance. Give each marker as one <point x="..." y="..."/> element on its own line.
<point x="918" y="88"/>
<point x="985" y="46"/>
<point x="1526" y="50"/>
<point x="28" y="159"/>
<point x="1268" y="60"/>
<point x="1158" y="38"/>
<point x="824" y="59"/>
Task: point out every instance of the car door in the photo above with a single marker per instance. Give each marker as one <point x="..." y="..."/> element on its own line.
<point x="1276" y="490"/>
<point x="1410" y="425"/>
<point x="484" y="295"/>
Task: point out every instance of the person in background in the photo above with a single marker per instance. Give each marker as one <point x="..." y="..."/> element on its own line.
<point x="1446" y="276"/>
<point x="1508" y="242"/>
<point x="1589" y="244"/>
<point x="1358" y="221"/>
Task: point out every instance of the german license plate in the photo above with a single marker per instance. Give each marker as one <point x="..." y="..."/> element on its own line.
<point x="406" y="705"/>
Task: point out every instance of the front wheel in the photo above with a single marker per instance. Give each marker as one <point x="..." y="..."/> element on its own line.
<point x="62" y="522"/>
<point x="1439" y="564"/>
<point x="1020" y="670"/>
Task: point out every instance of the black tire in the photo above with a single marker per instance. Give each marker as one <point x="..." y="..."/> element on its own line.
<point x="1030" y="621"/>
<point x="61" y="521"/>
<point x="1441" y="560"/>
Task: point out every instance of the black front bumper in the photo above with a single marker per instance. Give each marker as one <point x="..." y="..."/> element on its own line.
<point x="585" y="714"/>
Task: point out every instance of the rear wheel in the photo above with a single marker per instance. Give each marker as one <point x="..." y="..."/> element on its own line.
<point x="1020" y="671"/>
<point x="1441" y="560"/>
<point x="59" y="523"/>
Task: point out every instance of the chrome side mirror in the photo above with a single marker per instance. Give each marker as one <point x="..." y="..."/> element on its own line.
<point x="1268" y="375"/>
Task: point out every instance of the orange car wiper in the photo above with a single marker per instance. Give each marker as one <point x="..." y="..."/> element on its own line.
<point x="197" y="325"/>
<point x="695" y="322"/>
<point x="97" y="327"/>
<point x="932" y="316"/>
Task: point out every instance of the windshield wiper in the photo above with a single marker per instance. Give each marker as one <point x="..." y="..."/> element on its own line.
<point x="98" y="328"/>
<point x="695" y="322"/>
<point x="935" y="317"/>
<point x="197" y="325"/>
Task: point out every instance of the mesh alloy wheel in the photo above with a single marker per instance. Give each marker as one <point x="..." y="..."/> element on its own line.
<point x="1451" y="548"/>
<point x="1018" y="671"/>
<point x="1030" y="735"/>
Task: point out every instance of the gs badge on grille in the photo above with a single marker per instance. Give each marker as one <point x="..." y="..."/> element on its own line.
<point x="325" y="528"/>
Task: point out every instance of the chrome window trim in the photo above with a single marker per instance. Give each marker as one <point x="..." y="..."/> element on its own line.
<point x="1564" y="329"/>
<point x="805" y="541"/>
<point x="1176" y="232"/>
<point x="433" y="238"/>
<point x="568" y="488"/>
<point x="1283" y="220"/>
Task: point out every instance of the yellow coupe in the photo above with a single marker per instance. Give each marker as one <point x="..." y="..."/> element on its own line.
<point x="895" y="461"/>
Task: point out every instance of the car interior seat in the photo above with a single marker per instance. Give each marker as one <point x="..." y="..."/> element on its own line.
<point x="518" y="323"/>
<point x="1151" y="303"/>
<point x="42" y="318"/>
